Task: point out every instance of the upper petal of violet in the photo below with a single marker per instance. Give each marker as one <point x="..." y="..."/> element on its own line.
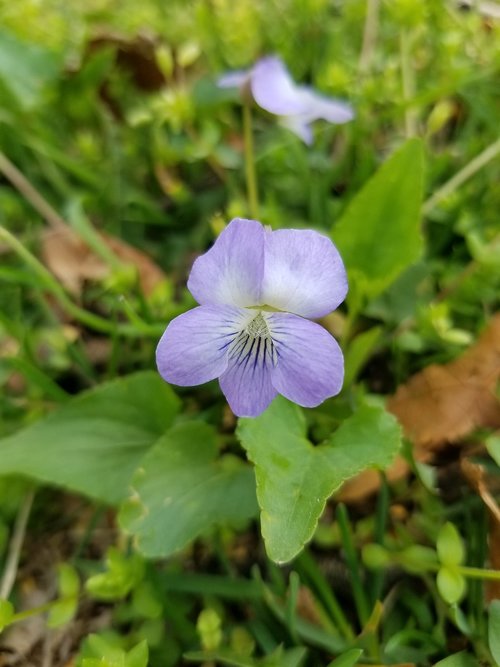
<point x="274" y="89"/>
<point x="303" y="273"/>
<point x="231" y="272"/>
<point x="194" y="347"/>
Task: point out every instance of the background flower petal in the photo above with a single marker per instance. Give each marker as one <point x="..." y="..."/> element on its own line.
<point x="247" y="386"/>
<point x="310" y="364"/>
<point x="334" y="111"/>
<point x="274" y="89"/>
<point x="194" y="347"/>
<point x="303" y="273"/>
<point x="231" y="271"/>
<point x="234" y="79"/>
<point x="299" y="125"/>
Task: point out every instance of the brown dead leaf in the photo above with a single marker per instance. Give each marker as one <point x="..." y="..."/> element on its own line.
<point x="441" y="404"/>
<point x="150" y="274"/>
<point x="73" y="263"/>
<point x="358" y="488"/>
<point x="444" y="403"/>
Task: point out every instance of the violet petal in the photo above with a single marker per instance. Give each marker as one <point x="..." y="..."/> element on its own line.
<point x="235" y="79"/>
<point x="247" y="381"/>
<point x="310" y="364"/>
<point x="194" y="347"/>
<point x="303" y="273"/>
<point x="274" y="89"/>
<point x="230" y="273"/>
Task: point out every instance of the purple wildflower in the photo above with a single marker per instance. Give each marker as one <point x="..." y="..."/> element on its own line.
<point x="274" y="90"/>
<point x="256" y="288"/>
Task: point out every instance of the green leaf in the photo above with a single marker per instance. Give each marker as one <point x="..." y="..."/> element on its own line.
<point x="359" y="352"/>
<point x="99" y="653"/>
<point x="94" y="442"/>
<point x="123" y="573"/>
<point x="451" y="584"/>
<point x="25" y="69"/>
<point x="294" y="479"/>
<point x="450" y="547"/>
<point x="379" y="234"/>
<point x="462" y="659"/>
<point x="494" y="630"/>
<point x="180" y="491"/>
<point x="6" y="613"/>
<point x="493" y="447"/>
<point x="347" y="659"/>
<point x="69" y="588"/>
<point x="138" y="656"/>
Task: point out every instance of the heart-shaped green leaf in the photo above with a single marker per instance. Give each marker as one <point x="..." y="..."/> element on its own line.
<point x="294" y="478"/>
<point x="181" y="490"/>
<point x="94" y="442"/>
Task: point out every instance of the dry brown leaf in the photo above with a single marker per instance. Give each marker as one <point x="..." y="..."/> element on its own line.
<point x="441" y="404"/>
<point x="358" y="488"/>
<point x="444" y="403"/>
<point x="73" y="263"/>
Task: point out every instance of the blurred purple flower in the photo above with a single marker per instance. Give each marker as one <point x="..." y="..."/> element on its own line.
<point x="274" y="90"/>
<point x="256" y="288"/>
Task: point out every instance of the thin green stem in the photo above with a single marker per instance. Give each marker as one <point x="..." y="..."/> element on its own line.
<point x="370" y="33"/>
<point x="479" y="573"/>
<point x="308" y="568"/>
<point x="80" y="314"/>
<point x="31" y="194"/>
<point x="380" y="526"/>
<point x="408" y="82"/>
<point x="360" y="599"/>
<point x="16" y="543"/>
<point x="250" y="175"/>
<point x="34" y="611"/>
<point x="463" y="175"/>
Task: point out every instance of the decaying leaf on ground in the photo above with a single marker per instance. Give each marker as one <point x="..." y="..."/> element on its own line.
<point x="442" y="404"/>
<point x="73" y="262"/>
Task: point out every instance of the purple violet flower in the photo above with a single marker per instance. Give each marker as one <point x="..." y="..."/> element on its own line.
<point x="274" y="90"/>
<point x="258" y="290"/>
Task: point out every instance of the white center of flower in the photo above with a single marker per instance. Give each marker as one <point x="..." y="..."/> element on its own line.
<point x="254" y="344"/>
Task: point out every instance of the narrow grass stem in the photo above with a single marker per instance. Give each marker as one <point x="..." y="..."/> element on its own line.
<point x="408" y="82"/>
<point x="308" y="568"/>
<point x="370" y="33"/>
<point x="352" y="561"/>
<point x="250" y="175"/>
<point x="94" y="322"/>
<point x="463" y="175"/>
<point x="382" y="512"/>
<point x="16" y="543"/>
<point x="31" y="194"/>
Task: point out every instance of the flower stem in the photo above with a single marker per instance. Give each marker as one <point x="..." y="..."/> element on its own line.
<point x="250" y="175"/>
<point x="463" y="175"/>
